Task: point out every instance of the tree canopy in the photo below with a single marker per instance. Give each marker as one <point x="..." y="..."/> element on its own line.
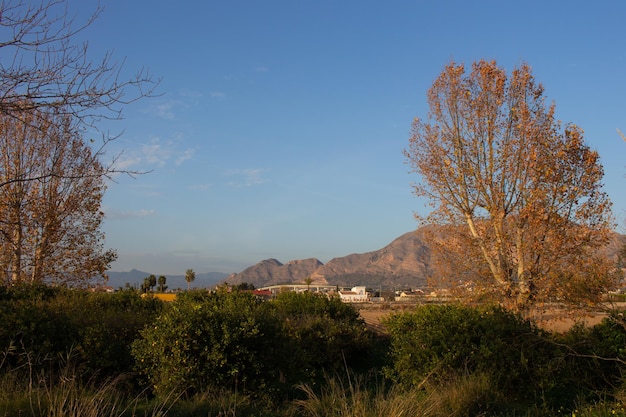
<point x="52" y="180"/>
<point x="49" y="227"/>
<point x="521" y="196"/>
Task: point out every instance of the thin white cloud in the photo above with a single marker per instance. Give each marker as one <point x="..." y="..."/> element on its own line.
<point x="156" y="153"/>
<point x="114" y="214"/>
<point x="164" y="109"/>
<point x="261" y="68"/>
<point x="190" y="93"/>
<point x="147" y="190"/>
<point x="126" y="161"/>
<point x="184" y="156"/>
<point x="199" y="187"/>
<point x="167" y="108"/>
<point x="217" y="94"/>
<point x="246" y="177"/>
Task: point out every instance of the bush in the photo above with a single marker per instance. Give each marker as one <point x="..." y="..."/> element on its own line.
<point x="32" y="333"/>
<point x="439" y="343"/>
<point x="114" y="321"/>
<point x="232" y="341"/>
<point x="325" y="335"/>
<point x="591" y="361"/>
<point x="44" y="327"/>
<point x="210" y="342"/>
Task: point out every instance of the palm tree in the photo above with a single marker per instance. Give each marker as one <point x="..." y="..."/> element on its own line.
<point x="152" y="282"/>
<point x="190" y="277"/>
<point x="145" y="286"/>
<point x="162" y="280"/>
<point x="308" y="281"/>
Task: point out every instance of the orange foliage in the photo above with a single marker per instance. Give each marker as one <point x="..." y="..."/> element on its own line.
<point x="51" y="187"/>
<point x="492" y="157"/>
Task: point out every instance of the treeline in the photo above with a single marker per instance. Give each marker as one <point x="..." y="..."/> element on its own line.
<point x="72" y="352"/>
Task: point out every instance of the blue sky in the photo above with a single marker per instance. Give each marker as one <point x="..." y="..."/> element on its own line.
<point x="281" y="124"/>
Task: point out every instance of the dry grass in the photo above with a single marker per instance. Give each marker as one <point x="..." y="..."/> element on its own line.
<point x="466" y="396"/>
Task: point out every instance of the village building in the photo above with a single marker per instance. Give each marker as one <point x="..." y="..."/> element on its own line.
<point x="355" y="295"/>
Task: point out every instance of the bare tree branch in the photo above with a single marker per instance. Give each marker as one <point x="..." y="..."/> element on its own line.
<point x="44" y="68"/>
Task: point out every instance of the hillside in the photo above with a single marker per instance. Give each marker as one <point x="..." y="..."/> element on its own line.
<point x="401" y="264"/>
<point x="273" y="272"/>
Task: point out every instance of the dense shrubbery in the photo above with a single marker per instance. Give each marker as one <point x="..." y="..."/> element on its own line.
<point x="43" y="327"/>
<point x="232" y="341"/>
<point x="301" y="354"/>
<point x="322" y="336"/>
<point x="437" y="343"/>
<point x="202" y="341"/>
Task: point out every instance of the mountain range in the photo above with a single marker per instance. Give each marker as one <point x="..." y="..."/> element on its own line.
<point x="401" y="264"/>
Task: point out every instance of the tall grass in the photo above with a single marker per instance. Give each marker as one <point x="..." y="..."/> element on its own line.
<point x="353" y="397"/>
<point x="68" y="394"/>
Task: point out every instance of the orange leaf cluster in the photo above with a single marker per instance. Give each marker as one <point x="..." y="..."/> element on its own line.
<point x="492" y="157"/>
<point x="51" y="188"/>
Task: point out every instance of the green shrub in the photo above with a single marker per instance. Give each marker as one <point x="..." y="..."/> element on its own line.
<point x="44" y="326"/>
<point x="33" y="333"/>
<point x="590" y="362"/>
<point x="438" y="343"/>
<point x="232" y="341"/>
<point x="324" y="335"/>
<point x="219" y="341"/>
<point x="107" y="332"/>
<point x="609" y="337"/>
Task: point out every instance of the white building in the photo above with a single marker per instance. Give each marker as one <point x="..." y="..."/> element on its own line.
<point x="355" y="295"/>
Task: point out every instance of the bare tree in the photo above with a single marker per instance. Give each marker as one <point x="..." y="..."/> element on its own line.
<point x="44" y="68"/>
<point x="521" y="196"/>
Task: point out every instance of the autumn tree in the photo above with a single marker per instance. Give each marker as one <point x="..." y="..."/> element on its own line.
<point x="50" y="228"/>
<point x="190" y="276"/>
<point x="52" y="181"/>
<point x="521" y="196"/>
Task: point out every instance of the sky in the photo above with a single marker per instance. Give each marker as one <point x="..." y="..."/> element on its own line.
<point x="279" y="126"/>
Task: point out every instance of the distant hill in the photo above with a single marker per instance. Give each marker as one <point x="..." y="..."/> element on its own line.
<point x="135" y="278"/>
<point x="273" y="272"/>
<point x="401" y="264"/>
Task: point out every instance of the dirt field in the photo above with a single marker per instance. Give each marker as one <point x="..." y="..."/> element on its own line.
<point x="553" y="319"/>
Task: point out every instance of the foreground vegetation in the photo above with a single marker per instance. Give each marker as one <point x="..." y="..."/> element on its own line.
<point x="76" y="353"/>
